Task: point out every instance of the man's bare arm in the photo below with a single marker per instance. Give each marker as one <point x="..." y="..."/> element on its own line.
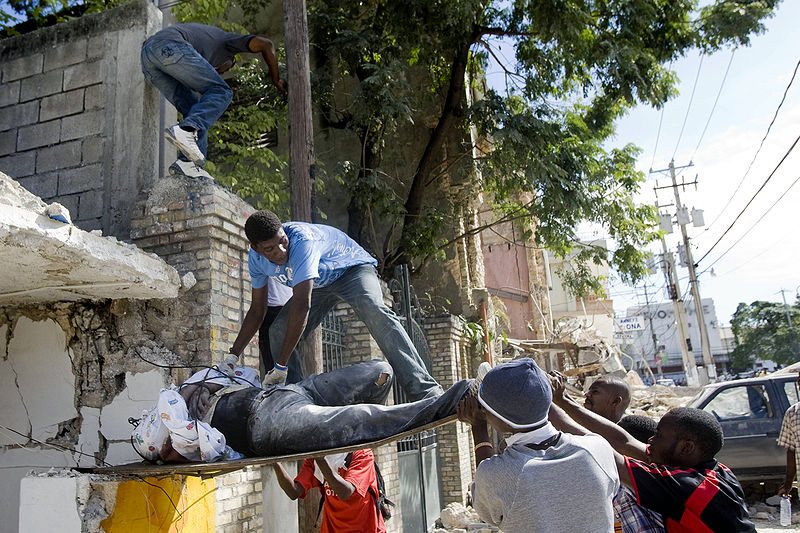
<point x="292" y="488"/>
<point x="267" y="49"/>
<point x="252" y="320"/>
<point x="299" y="306"/>
<point x="620" y="440"/>
<point x="791" y="471"/>
<point x="343" y="488"/>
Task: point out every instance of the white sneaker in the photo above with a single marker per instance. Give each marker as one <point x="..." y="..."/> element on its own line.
<point x="190" y="170"/>
<point x="475" y="387"/>
<point x="186" y="142"/>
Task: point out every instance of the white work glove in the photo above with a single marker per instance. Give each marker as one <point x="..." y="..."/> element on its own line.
<point x="228" y="364"/>
<point x="274" y="377"/>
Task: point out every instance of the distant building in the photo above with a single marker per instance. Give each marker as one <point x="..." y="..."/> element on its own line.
<point x="662" y="316"/>
<point x="593" y="311"/>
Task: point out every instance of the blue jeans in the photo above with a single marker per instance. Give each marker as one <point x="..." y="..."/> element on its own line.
<point x="359" y="287"/>
<point x="330" y="410"/>
<point x="181" y="74"/>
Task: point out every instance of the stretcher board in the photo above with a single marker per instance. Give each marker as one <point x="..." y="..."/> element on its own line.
<point x="142" y="469"/>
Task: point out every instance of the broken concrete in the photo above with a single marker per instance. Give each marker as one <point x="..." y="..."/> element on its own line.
<point x="48" y="260"/>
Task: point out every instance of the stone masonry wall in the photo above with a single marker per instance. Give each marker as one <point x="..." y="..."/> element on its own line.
<point x="77" y="120"/>
<point x="452" y="360"/>
<point x="199" y="227"/>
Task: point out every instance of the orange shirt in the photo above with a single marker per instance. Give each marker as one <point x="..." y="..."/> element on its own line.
<point x="358" y="513"/>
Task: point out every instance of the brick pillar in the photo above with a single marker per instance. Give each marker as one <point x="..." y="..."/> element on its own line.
<point x="452" y="360"/>
<point x="198" y="227"/>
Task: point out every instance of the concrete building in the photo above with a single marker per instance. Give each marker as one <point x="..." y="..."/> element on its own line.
<point x="591" y="311"/>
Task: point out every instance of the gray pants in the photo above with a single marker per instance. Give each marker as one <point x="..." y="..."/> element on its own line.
<point x="330" y="410"/>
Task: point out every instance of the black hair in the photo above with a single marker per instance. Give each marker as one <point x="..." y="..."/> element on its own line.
<point x="701" y="427"/>
<point x="261" y="226"/>
<point x="639" y="426"/>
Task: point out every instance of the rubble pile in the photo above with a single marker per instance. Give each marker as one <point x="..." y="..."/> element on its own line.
<point x="656" y="400"/>
<point x="456" y="518"/>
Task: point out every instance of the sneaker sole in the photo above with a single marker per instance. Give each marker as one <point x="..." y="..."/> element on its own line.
<point x="183" y="148"/>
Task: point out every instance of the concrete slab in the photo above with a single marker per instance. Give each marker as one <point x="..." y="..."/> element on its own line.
<point x="45" y="260"/>
<point x="140" y="393"/>
<point x="39" y="356"/>
<point x="49" y="504"/>
<point x="12" y="410"/>
<point x="89" y="439"/>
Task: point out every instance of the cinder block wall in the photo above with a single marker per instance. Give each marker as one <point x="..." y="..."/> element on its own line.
<point x="78" y="122"/>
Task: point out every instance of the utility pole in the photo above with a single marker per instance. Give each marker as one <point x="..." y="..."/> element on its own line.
<point x="786" y="308"/>
<point x="650" y="320"/>
<point x="301" y="179"/>
<point x="705" y="345"/>
<point x="689" y="365"/>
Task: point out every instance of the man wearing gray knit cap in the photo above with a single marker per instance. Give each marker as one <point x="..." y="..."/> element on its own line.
<point x="545" y="480"/>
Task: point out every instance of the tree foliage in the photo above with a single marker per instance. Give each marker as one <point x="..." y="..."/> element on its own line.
<point x="538" y="149"/>
<point x="762" y="331"/>
<point x="541" y="158"/>
<point x="22" y="16"/>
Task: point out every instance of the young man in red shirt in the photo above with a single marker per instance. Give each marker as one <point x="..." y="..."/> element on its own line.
<point x="350" y="491"/>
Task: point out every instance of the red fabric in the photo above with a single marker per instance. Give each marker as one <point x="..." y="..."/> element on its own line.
<point x="357" y="514"/>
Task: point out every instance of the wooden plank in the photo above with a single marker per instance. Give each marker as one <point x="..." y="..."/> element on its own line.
<point x="214" y="469"/>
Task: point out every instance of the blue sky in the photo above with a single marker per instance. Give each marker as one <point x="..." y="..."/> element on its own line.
<point x="766" y="259"/>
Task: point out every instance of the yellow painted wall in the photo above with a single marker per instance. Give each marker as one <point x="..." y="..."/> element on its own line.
<point x="185" y="505"/>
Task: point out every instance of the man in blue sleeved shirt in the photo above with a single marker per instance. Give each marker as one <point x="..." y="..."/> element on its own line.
<point x="185" y="63"/>
<point x="323" y="266"/>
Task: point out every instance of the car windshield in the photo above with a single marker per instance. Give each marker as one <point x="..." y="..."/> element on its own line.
<point x="742" y="402"/>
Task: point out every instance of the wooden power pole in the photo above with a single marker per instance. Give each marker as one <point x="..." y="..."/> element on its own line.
<point x="301" y="179"/>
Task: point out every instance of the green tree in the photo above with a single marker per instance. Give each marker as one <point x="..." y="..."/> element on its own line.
<point x="22" y="16"/>
<point x="762" y="331"/>
<point x="579" y="66"/>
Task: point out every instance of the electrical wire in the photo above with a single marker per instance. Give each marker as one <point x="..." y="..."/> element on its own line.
<point x="760" y="146"/>
<point x="714" y="107"/>
<point x="658" y="133"/>
<point x="689" y="107"/>
<point x="789" y="151"/>
<point x="755" y="223"/>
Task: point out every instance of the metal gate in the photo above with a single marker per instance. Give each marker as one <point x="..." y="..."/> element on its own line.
<point x="417" y="455"/>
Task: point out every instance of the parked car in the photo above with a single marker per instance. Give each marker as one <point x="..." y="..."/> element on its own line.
<point x="751" y="412"/>
<point x="666" y="382"/>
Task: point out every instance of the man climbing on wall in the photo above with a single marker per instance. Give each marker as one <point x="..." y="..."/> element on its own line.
<point x="185" y="63"/>
<point x="220" y="416"/>
<point x="323" y="266"/>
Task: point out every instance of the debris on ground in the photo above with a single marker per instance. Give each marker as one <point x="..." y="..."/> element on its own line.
<point x="457" y="518"/>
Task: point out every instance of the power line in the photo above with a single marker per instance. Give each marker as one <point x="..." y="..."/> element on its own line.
<point x="760" y="146"/>
<point x="757" y="221"/>
<point x="753" y="198"/>
<point x="714" y="107"/>
<point x="658" y="133"/>
<point x="689" y="107"/>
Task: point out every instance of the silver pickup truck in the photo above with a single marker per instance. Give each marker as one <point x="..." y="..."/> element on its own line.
<point x="751" y="412"/>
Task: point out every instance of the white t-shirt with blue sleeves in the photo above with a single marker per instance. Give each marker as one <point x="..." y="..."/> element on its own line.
<point x="316" y="251"/>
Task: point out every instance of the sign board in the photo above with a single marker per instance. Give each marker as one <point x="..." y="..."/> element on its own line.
<point x="630" y="324"/>
<point x="626" y="327"/>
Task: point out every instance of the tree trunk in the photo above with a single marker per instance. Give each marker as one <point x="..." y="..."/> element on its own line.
<point x="301" y="174"/>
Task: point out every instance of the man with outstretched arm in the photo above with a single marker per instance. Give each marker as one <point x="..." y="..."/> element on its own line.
<point x="545" y="481"/>
<point x="323" y="266"/>
<point x="187" y="60"/>
<point x="676" y="474"/>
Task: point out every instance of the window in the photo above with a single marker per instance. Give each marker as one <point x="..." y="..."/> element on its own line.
<point x="740" y="403"/>
<point x="790" y="388"/>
